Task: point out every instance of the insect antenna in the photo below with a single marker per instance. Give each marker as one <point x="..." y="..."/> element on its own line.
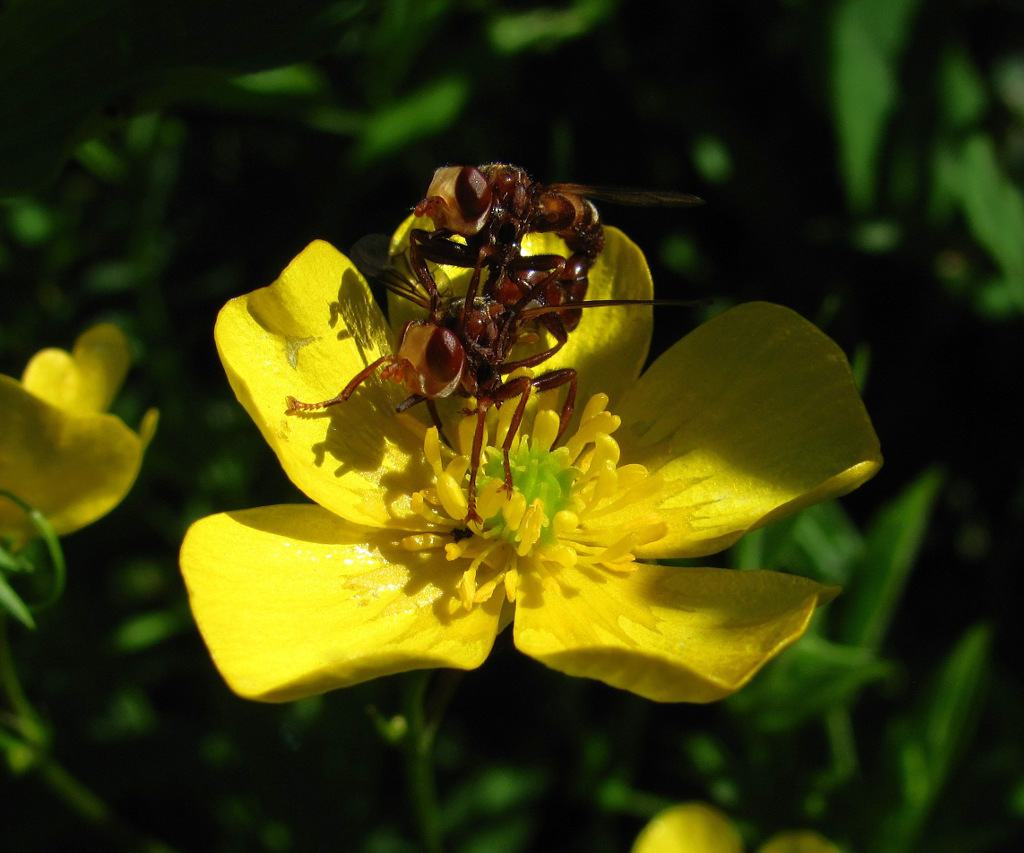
<point x="528" y="313"/>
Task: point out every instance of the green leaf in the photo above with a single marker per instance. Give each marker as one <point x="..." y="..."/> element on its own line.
<point x="963" y="99"/>
<point x="67" y="68"/>
<point x="868" y="38"/>
<point x="52" y="543"/>
<point x="994" y="208"/>
<point x="809" y="680"/>
<point x="892" y="544"/>
<point x="149" y="629"/>
<point x="820" y="542"/>
<point x="423" y="113"/>
<point x="12" y="603"/>
<point x="926" y="744"/>
<point x="546" y="28"/>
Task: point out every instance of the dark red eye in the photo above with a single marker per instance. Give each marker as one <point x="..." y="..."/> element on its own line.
<point x="472" y="192"/>
<point x="445" y="356"/>
<point x="434" y="357"/>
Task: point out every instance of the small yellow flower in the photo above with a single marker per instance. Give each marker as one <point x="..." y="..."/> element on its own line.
<point x="700" y="828"/>
<point x="750" y="417"/>
<point x="60" y="452"/>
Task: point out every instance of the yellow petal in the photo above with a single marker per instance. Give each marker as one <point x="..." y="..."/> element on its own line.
<point x="798" y="842"/>
<point x="72" y="468"/>
<point x="666" y="633"/>
<point x="609" y="346"/>
<point x="750" y="417"/>
<point x="86" y="379"/>
<point x="689" y="828"/>
<point x="307" y="335"/>
<point x="293" y="601"/>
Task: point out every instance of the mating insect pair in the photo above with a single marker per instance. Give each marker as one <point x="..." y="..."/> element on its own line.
<point x="465" y="344"/>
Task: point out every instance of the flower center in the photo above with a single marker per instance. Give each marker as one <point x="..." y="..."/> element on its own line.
<point x="551" y="520"/>
<point x="542" y="481"/>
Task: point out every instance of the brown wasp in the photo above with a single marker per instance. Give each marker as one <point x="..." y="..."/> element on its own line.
<point x="465" y="345"/>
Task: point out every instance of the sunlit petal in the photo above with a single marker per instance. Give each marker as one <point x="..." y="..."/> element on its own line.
<point x="750" y="417"/>
<point x="666" y="633"/>
<point x="86" y="379"/>
<point x="689" y="828"/>
<point x="306" y="336"/>
<point x="609" y="347"/>
<point x="72" y="468"/>
<point x="293" y="601"/>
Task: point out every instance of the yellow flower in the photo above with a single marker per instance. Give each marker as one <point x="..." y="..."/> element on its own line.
<point x="699" y="828"/>
<point x="60" y="452"/>
<point x="748" y="418"/>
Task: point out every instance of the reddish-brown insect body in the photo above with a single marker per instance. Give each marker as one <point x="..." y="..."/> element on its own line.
<point x="465" y="345"/>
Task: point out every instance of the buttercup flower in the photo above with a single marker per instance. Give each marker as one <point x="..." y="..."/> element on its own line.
<point x="748" y="418"/>
<point x="60" y="452"/>
<point x="700" y="828"/>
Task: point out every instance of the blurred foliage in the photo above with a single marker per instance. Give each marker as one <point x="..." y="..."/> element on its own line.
<point x="862" y="163"/>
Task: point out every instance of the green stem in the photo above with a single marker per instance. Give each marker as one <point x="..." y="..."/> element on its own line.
<point x="52" y="543"/>
<point x="16" y="697"/>
<point x="88" y="806"/>
<point x="74" y="794"/>
<point x="418" y="744"/>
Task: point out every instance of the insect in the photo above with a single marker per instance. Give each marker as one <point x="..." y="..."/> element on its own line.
<point x="492" y="208"/>
<point x="465" y="344"/>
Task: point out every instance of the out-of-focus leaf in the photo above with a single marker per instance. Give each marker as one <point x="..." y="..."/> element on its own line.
<point x="292" y="80"/>
<point x="546" y="28"/>
<point x="494" y="805"/>
<point x="130" y="713"/>
<point x="148" y="629"/>
<point x="925" y="744"/>
<point x="12" y="603"/>
<point x="829" y="540"/>
<point x="868" y="39"/>
<point x="892" y="543"/>
<point x="496" y="790"/>
<point x="712" y="159"/>
<point x="994" y="209"/>
<point x="820" y="542"/>
<point x="963" y="100"/>
<point x="66" y="67"/>
<point x="813" y="677"/>
<point x="427" y="111"/>
<point x="1008" y="75"/>
<point x="296" y="94"/>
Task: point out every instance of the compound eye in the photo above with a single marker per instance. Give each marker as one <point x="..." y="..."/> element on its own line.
<point x="432" y="359"/>
<point x="472" y="192"/>
<point x="445" y="360"/>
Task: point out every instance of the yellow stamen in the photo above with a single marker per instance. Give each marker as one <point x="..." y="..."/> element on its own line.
<point x="548" y="522"/>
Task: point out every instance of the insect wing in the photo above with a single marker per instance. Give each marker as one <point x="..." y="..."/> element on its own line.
<point x="371" y="255"/>
<point x="631" y="196"/>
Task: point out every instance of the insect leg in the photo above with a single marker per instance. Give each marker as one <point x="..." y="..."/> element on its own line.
<point x="553" y="323"/>
<point x="474" y="464"/>
<point x="554" y="379"/>
<point x="522" y="387"/>
<point x="519" y="387"/>
<point x="298" y="406"/>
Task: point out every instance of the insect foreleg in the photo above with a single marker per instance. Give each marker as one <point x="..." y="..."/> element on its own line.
<point x="298" y="406"/>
